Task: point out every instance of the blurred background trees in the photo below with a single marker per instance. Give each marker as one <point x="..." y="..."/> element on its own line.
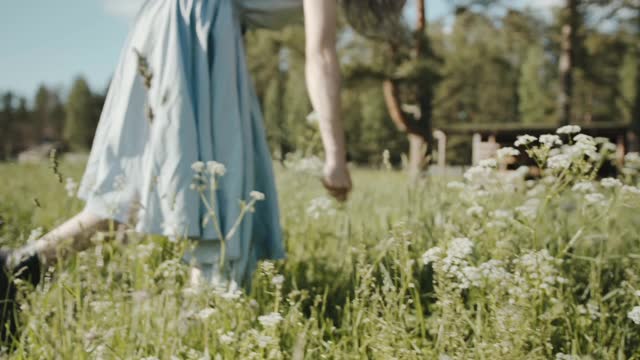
<point x="486" y="63"/>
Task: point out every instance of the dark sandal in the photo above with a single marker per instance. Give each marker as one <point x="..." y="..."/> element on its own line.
<point x="28" y="269"/>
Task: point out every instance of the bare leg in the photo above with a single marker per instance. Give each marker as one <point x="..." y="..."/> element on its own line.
<point x="72" y="236"/>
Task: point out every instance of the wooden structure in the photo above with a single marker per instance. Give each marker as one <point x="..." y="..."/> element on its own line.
<point x="488" y="138"/>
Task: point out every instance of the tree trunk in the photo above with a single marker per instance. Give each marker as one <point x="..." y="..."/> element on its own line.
<point x="424" y="95"/>
<point x="567" y="59"/>
<point x="634" y="139"/>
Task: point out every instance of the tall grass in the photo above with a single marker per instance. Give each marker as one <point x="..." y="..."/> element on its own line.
<point x="492" y="267"/>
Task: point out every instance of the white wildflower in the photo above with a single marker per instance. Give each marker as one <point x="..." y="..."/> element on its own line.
<point x="609" y="147"/>
<point x="561" y="356"/>
<point x="198" y="166"/>
<point x="496" y="224"/>
<point x="172" y="230"/>
<point x="523" y="171"/>
<point x="320" y="206"/>
<point x="313" y="118"/>
<point x="488" y="163"/>
<point x="502" y="214"/>
<point x="206" y="313"/>
<point x="632" y="160"/>
<point x="264" y="340"/>
<point x="595" y="198"/>
<point x="632" y="157"/>
<point x="611" y="183"/>
<point x="480" y="193"/>
<point x="71" y="187"/>
<point x="257" y="195"/>
<point x="631" y="189"/>
<point x="475" y="210"/>
<point x="101" y="306"/>
<point x="594" y="310"/>
<point x="311" y="165"/>
<point x="537" y="190"/>
<point x="524" y="140"/>
<point x="432" y="255"/>
<point x="507" y="152"/>
<point x="216" y="168"/>
<point x="267" y="267"/>
<point x="456" y="185"/>
<point x="569" y="129"/>
<point x="471" y="277"/>
<point x="477" y="174"/>
<point x="581" y="309"/>
<point x="270" y="320"/>
<point x="35" y="235"/>
<point x="584" y="138"/>
<point x="228" y="338"/>
<point x="529" y="209"/>
<point x="584" y="186"/>
<point x="550" y="140"/>
<point x="460" y="248"/>
<point x="637" y="293"/>
<point x="277" y="280"/>
<point x="582" y="148"/>
<point x="231" y="294"/>
<point x="494" y="271"/>
<point x="559" y="162"/>
<point x="386" y="159"/>
<point x="634" y="315"/>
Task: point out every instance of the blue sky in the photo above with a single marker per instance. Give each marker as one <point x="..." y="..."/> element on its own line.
<point x="52" y="41"/>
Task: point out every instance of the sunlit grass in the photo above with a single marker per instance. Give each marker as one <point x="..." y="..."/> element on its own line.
<point x="534" y="281"/>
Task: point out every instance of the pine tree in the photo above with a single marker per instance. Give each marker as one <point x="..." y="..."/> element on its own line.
<point x="7" y="123"/>
<point x="80" y="116"/>
<point x="533" y="91"/>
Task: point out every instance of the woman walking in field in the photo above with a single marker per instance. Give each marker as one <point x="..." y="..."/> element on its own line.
<point x="182" y="95"/>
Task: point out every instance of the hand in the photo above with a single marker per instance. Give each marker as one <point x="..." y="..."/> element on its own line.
<point x="337" y="180"/>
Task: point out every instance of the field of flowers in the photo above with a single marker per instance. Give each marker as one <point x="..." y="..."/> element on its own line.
<point x="490" y="266"/>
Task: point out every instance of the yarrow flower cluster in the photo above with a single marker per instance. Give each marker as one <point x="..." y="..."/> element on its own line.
<point x="320" y="206"/>
<point x="257" y="195"/>
<point x="634" y="315"/>
<point x="507" y="152"/>
<point x="584" y="186"/>
<point x="633" y="190"/>
<point x="559" y="162"/>
<point x="529" y="209"/>
<point x="569" y="129"/>
<point x="72" y="187"/>
<point x="210" y="167"/>
<point x="270" y="320"/>
<point x="311" y="165"/>
<point x="611" y="183"/>
<point x="456" y="185"/>
<point x="216" y="168"/>
<point x="475" y="210"/>
<point x="524" y="140"/>
<point x="550" y="140"/>
<point x="35" y="235"/>
<point x="595" y="198"/>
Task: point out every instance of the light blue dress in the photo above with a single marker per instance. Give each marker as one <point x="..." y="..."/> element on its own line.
<point x="204" y="109"/>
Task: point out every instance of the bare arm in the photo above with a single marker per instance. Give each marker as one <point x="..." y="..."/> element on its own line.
<point x="323" y="83"/>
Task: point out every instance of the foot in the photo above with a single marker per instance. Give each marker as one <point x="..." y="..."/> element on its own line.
<point x="27" y="269"/>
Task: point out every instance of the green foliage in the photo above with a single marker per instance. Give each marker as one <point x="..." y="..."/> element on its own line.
<point x="81" y="120"/>
<point x="535" y="103"/>
<point x="465" y="270"/>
